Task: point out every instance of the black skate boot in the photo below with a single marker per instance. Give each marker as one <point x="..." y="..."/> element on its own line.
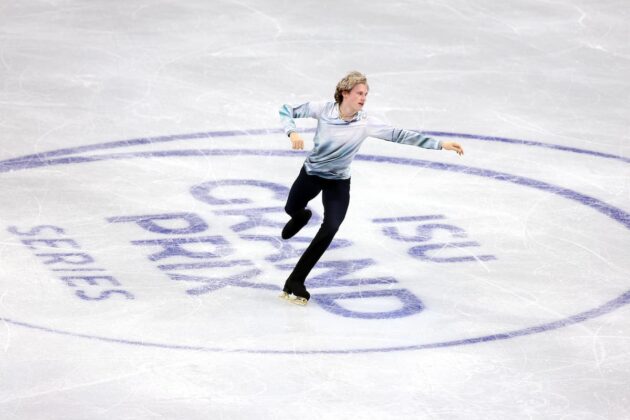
<point x="296" y="223"/>
<point x="300" y="295"/>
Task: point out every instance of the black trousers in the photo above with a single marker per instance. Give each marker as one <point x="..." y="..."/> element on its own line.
<point x="335" y="197"/>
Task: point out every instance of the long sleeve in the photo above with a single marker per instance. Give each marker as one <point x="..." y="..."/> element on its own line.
<point x="380" y="130"/>
<point x="307" y="110"/>
<point x="336" y="141"/>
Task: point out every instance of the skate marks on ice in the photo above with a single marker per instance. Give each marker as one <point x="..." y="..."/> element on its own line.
<point x="185" y="242"/>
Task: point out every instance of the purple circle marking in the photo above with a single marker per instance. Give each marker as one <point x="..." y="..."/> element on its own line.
<point x="616" y="214"/>
<point x="7" y="164"/>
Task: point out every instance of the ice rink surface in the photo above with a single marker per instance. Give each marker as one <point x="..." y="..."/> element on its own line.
<point x="144" y="170"/>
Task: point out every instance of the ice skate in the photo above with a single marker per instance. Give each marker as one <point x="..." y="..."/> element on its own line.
<point x="295" y="293"/>
<point x="297" y="300"/>
<point x="296" y="223"/>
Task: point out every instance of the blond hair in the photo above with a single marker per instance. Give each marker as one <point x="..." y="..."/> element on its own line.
<point x="348" y="83"/>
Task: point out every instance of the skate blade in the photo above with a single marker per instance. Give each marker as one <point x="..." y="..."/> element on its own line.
<point x="293" y="299"/>
<point x="298" y="300"/>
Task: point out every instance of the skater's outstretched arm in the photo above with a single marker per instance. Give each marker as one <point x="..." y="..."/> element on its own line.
<point x="384" y="131"/>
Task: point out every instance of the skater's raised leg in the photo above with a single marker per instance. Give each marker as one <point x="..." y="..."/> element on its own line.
<point x="304" y="189"/>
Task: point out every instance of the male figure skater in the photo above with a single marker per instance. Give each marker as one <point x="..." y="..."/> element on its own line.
<point x="342" y="126"/>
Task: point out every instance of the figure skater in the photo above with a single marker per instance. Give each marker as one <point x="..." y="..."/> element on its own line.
<point x="342" y="126"/>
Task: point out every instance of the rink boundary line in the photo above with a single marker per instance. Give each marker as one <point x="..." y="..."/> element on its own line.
<point x="608" y="307"/>
<point x="266" y="131"/>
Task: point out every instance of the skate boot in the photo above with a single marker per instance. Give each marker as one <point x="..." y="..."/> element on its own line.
<point x="295" y="293"/>
<point x="296" y="223"/>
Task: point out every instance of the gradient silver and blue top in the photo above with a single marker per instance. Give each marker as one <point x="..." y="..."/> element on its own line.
<point x="337" y="141"/>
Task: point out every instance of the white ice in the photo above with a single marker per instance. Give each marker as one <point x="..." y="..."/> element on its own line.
<point x="533" y="323"/>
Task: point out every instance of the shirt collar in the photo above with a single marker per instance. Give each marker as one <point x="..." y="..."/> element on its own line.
<point x="356" y="117"/>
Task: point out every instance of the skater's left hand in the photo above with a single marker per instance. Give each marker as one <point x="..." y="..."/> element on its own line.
<point x="451" y="145"/>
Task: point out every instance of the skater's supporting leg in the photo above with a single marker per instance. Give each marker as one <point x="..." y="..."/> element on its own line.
<point x="336" y="198"/>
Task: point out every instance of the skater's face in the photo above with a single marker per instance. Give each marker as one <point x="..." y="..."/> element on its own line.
<point x="355" y="99"/>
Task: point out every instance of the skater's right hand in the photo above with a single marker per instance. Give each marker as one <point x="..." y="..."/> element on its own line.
<point x="296" y="141"/>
